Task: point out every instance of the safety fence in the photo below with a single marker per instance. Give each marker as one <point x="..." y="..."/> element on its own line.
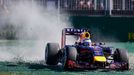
<point x="86" y="7"/>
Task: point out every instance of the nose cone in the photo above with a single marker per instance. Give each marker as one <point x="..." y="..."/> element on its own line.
<point x="100" y="58"/>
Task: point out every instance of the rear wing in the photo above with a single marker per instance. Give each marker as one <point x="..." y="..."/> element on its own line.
<point x="71" y="31"/>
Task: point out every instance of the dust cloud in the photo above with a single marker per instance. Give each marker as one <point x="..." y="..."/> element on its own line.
<point x="33" y="22"/>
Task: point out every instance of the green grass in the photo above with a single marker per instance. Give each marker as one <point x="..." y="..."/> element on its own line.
<point x="38" y="69"/>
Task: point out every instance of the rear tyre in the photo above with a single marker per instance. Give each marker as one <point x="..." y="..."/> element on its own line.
<point x="51" y="53"/>
<point x="121" y="56"/>
<point x="70" y="58"/>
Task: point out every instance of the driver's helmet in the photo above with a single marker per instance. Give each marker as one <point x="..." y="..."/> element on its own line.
<point x="84" y="35"/>
<point x="86" y="42"/>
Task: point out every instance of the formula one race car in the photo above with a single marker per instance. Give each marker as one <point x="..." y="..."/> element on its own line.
<point x="82" y="56"/>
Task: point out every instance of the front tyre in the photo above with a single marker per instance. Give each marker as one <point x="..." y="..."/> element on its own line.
<point x="70" y="58"/>
<point x="121" y="56"/>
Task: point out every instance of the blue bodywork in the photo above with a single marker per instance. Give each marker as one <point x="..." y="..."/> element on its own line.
<point x="96" y="50"/>
<point x="90" y="56"/>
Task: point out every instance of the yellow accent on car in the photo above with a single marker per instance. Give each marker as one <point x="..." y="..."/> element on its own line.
<point x="86" y="35"/>
<point x="100" y="58"/>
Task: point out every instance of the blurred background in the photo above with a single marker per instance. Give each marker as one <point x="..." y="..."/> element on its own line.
<point x="110" y="18"/>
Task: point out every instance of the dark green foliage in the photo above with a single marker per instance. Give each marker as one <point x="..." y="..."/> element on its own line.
<point x="118" y="27"/>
